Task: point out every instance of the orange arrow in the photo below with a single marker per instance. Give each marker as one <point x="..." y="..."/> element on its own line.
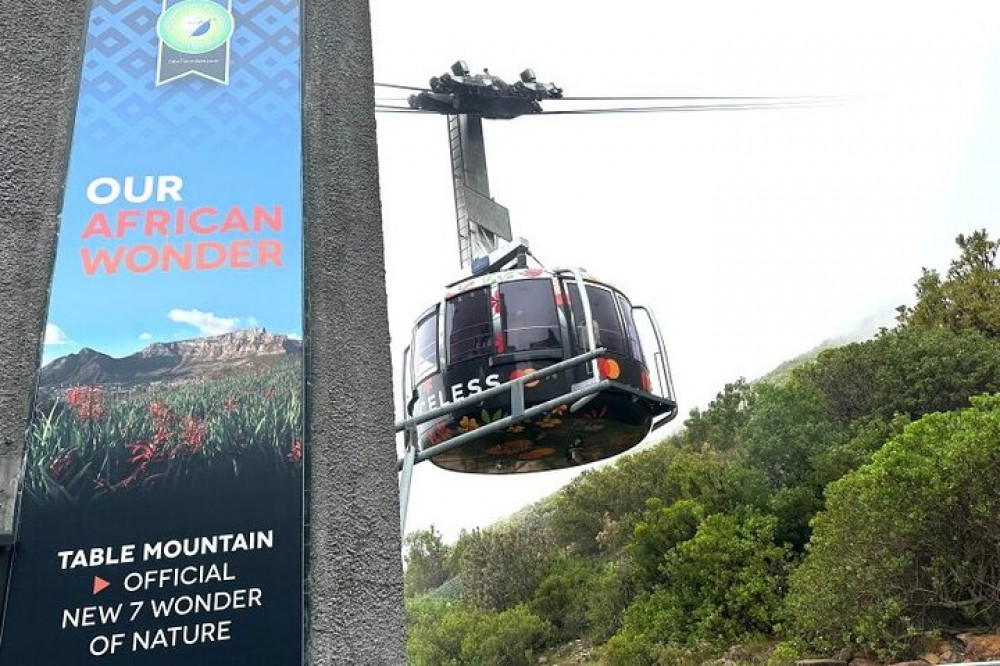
<point x="100" y="584"/>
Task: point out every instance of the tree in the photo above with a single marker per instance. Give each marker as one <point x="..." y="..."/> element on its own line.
<point x="595" y="499"/>
<point x="561" y="596"/>
<point x="787" y="427"/>
<point x="450" y="633"/>
<point x="720" y="424"/>
<point x="968" y="299"/>
<point x="428" y="562"/>
<point x="510" y="638"/>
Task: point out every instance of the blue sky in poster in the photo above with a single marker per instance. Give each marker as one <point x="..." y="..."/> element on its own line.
<point x="233" y="145"/>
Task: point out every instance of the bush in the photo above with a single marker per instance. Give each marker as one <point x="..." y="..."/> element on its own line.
<point x="659" y="531"/>
<point x="611" y="590"/>
<point x="561" y="598"/>
<point x="787" y="427"/>
<point x="794" y="508"/>
<point x="510" y="638"/>
<point x="585" y="507"/>
<point x="449" y="633"/>
<point x="436" y="629"/>
<point x="727" y="581"/>
<point x="501" y="566"/>
<point x="722" y="586"/>
<point x="648" y="623"/>
<point x="909" y="371"/>
<point x="784" y="654"/>
<point x="908" y="542"/>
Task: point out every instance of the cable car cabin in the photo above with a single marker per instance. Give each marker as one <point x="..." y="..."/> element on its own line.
<point x="503" y="325"/>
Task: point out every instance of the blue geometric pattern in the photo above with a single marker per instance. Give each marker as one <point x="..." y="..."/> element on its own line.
<point x="120" y="108"/>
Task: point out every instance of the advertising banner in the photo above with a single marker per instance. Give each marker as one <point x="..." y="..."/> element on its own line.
<point x="161" y="512"/>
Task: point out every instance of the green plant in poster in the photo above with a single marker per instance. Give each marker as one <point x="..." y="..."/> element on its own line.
<point x="90" y="442"/>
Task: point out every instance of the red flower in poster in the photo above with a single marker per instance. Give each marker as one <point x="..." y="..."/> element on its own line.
<point x="142" y="453"/>
<point x="295" y="455"/>
<point x="160" y="412"/>
<point x="87" y="402"/>
<point x="162" y="424"/>
<point x="233" y="403"/>
<point x="193" y="434"/>
<point x="64" y="466"/>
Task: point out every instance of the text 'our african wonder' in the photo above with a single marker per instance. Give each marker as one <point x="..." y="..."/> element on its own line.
<point x="163" y="236"/>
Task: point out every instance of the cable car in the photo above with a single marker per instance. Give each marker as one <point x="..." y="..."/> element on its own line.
<point x="522" y="369"/>
<point x="511" y="323"/>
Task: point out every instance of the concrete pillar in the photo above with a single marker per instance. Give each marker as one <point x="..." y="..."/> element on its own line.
<point x="40" y="52"/>
<point x="355" y="578"/>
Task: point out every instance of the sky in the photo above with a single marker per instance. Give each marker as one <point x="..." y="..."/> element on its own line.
<point x="754" y="236"/>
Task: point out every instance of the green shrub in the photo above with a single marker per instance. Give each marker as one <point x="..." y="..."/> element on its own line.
<point x="722" y="586"/>
<point x="908" y="542"/>
<point x="651" y="621"/>
<point x="659" y="531"/>
<point x="510" y="638"/>
<point x="450" y="633"/>
<point x="911" y="371"/>
<point x="784" y="654"/>
<point x="608" y="596"/>
<point x="727" y="581"/>
<point x="794" y="508"/>
<point x="788" y="425"/>
<point x="436" y="629"/>
<point x="429" y="562"/>
<point x="501" y="566"/>
<point x="561" y="598"/>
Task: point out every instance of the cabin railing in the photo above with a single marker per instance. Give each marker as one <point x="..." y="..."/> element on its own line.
<point x="515" y="387"/>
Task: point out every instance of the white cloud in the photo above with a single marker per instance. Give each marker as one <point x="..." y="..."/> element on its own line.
<point x="55" y="335"/>
<point x="206" y="322"/>
<point x="294" y="336"/>
<point x="145" y="336"/>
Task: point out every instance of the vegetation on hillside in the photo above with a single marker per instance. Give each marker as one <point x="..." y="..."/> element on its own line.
<point x="852" y="505"/>
<point x="90" y="443"/>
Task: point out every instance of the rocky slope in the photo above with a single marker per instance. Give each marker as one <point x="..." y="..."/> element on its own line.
<point x="214" y="356"/>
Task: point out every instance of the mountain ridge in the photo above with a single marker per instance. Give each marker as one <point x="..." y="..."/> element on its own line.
<point x="196" y="358"/>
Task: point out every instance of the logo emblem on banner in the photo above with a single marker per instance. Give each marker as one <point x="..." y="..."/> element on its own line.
<point x="194" y="39"/>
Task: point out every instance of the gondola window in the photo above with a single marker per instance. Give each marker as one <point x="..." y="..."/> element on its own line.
<point x="529" y="317"/>
<point x="630" y="329"/>
<point x="425" y="344"/>
<point x="606" y="325"/>
<point x="469" y="325"/>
